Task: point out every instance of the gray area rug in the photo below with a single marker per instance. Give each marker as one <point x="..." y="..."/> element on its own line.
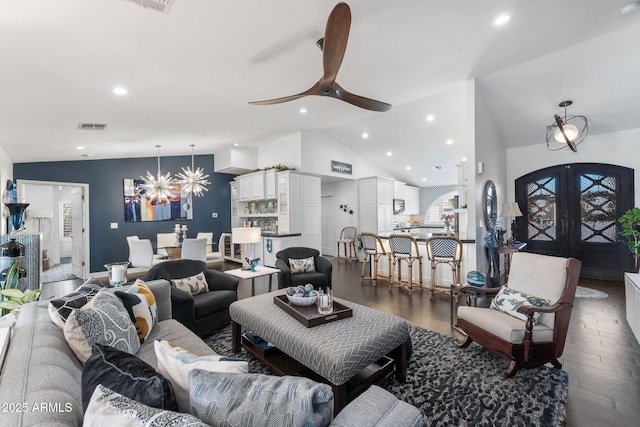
<point x="582" y="292"/>
<point x="462" y="387"/>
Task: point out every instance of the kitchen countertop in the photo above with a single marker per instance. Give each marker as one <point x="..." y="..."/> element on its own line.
<point x="427" y="235"/>
<point x="276" y="235"/>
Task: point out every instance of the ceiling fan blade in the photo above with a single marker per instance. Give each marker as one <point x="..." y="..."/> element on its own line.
<point x="312" y="91"/>
<point x="570" y="144"/>
<point x="360" y="101"/>
<point x="336" y="36"/>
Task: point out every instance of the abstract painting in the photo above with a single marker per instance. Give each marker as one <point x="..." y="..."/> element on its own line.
<point x="138" y="208"/>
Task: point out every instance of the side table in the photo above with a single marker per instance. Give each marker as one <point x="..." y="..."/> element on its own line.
<point x="248" y="274"/>
<point x="507" y="249"/>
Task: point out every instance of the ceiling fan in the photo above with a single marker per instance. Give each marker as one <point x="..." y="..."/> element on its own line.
<point x="333" y="47"/>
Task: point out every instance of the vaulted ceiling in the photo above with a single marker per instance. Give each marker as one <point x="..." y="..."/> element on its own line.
<point x="190" y="74"/>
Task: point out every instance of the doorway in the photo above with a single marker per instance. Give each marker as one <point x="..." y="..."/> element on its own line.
<point x="572" y="211"/>
<point x="65" y="225"/>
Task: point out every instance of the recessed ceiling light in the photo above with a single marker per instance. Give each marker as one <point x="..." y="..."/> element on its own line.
<point x="80" y="147"/>
<point x="120" y="91"/>
<point x="501" y="20"/>
<point x="365" y="135"/>
<point x="389" y="153"/>
<point x="430" y="118"/>
<point x="408" y="168"/>
<point x="464" y="160"/>
<point x="236" y="144"/>
<point x="449" y="141"/>
<point x="303" y="110"/>
<point x="424" y="179"/>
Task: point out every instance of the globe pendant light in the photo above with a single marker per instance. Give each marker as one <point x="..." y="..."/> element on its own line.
<point x="158" y="187"/>
<point x="568" y="132"/>
<point x="192" y="180"/>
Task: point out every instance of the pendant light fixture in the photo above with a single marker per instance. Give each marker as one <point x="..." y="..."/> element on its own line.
<point x="158" y="187"/>
<point x="192" y="180"/>
<point x="568" y="132"/>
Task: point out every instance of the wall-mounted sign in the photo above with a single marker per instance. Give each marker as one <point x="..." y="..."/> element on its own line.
<point x="341" y="167"/>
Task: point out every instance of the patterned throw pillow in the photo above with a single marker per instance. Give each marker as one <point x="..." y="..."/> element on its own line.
<point x="266" y="400"/>
<point x="508" y="301"/>
<point x="107" y="323"/>
<point x="61" y="308"/>
<point x="174" y="363"/>
<point x="194" y="285"/>
<point x="302" y="265"/>
<point x="107" y="407"/>
<point x="124" y="373"/>
<point x="141" y="306"/>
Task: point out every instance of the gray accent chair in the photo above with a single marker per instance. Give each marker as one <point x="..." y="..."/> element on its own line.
<point x="321" y="278"/>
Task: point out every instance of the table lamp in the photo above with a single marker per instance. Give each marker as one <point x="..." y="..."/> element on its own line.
<point x="512" y="210"/>
<point x="246" y="236"/>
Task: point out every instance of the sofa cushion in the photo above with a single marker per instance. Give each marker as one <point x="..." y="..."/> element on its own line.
<point x="302" y="265"/>
<point x="61" y="308"/>
<point x="196" y="284"/>
<point x="174" y="363"/>
<point x="126" y="374"/>
<point x="139" y="302"/>
<point x="261" y="400"/>
<point x="213" y="302"/>
<point x="508" y="301"/>
<point x="107" y="323"/>
<point x="110" y="409"/>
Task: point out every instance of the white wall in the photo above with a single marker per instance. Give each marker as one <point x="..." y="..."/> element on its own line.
<point x="284" y="151"/>
<point x="343" y="192"/>
<point x="617" y="148"/>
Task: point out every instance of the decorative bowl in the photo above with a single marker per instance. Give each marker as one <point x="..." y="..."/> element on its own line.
<point x="302" y="300"/>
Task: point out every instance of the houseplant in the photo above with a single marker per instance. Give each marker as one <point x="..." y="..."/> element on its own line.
<point x="630" y="231"/>
<point x="360" y="248"/>
<point x="12" y="297"/>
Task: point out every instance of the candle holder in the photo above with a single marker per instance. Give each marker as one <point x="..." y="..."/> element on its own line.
<point x="117" y="273"/>
<point x="184" y="232"/>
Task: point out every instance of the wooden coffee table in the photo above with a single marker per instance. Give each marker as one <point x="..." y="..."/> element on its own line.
<point x="349" y="354"/>
<point x="248" y="274"/>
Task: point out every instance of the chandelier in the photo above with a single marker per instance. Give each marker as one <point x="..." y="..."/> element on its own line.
<point x="158" y="187"/>
<point x="568" y="132"/>
<point x="192" y="180"/>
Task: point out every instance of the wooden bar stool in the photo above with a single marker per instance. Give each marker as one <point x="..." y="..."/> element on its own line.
<point x="348" y="239"/>
<point x="404" y="247"/>
<point x="444" y="250"/>
<point x="373" y="250"/>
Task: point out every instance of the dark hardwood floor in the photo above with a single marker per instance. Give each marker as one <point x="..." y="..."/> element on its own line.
<point x="601" y="356"/>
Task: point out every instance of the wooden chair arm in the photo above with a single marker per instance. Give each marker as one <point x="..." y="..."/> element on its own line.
<point x="529" y="310"/>
<point x="466" y="289"/>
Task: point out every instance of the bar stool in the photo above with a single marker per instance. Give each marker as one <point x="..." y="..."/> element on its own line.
<point x="373" y="250"/>
<point x="404" y="247"/>
<point x="444" y="250"/>
<point x="348" y="239"/>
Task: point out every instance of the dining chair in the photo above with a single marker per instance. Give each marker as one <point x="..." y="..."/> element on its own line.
<point x="164" y="240"/>
<point x="374" y="250"/>
<point x="444" y="250"/>
<point x="209" y="247"/>
<point x="194" y="249"/>
<point x="141" y="253"/>
<point x="348" y="239"/>
<point x="404" y="248"/>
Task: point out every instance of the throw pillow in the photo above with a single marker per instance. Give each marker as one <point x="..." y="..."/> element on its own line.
<point x="302" y="265"/>
<point x="141" y="306"/>
<point x="508" y="301"/>
<point x="194" y="285"/>
<point x="108" y="409"/>
<point x="261" y="400"/>
<point x="124" y="373"/>
<point x="174" y="363"/>
<point x="61" y="308"/>
<point x="107" y="323"/>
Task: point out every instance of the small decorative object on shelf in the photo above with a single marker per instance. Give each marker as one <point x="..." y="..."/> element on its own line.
<point x="253" y="263"/>
<point x="117" y="273"/>
<point x="16" y="212"/>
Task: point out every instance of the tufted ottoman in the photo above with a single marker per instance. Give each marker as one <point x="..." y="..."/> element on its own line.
<point x="348" y="354"/>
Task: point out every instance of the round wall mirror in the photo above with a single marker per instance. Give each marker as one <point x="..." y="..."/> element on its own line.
<point x="490" y="203"/>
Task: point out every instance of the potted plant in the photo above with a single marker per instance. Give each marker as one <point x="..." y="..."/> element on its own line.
<point x="11" y="296"/>
<point x="360" y="248"/>
<point x="630" y="222"/>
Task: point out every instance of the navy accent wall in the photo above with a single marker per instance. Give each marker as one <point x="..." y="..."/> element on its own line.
<point x="106" y="199"/>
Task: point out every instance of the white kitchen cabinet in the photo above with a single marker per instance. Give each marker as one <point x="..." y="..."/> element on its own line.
<point x="411" y="200"/>
<point x="398" y="190"/>
<point x="272" y="245"/>
<point x="233" y="190"/>
<point x="243" y="188"/>
<point x="270" y="184"/>
<point x="632" y="299"/>
<point x="289" y="203"/>
<point x="257" y="185"/>
<point x="375" y="202"/>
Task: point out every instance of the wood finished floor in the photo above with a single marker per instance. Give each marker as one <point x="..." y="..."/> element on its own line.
<point x="601" y="355"/>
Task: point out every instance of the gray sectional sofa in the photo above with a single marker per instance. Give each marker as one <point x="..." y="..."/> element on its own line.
<point x="41" y="372"/>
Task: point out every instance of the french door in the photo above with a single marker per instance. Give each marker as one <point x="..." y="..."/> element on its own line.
<point x="572" y="211"/>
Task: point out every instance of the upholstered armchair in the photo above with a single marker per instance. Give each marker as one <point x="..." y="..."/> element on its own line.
<point x="320" y="278"/>
<point x="205" y="312"/>
<point x="527" y="331"/>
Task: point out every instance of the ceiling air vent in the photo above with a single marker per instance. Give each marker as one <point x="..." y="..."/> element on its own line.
<point x="437" y="168"/>
<point x="160" y="5"/>
<point x="92" y="126"/>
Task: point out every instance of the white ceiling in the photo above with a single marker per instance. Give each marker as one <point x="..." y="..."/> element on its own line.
<point x="190" y="74"/>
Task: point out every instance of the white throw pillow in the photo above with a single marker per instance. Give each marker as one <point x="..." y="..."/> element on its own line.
<point x="508" y="301"/>
<point x="194" y="285"/>
<point x="174" y="363"/>
<point x="106" y="323"/>
<point x="302" y="265"/>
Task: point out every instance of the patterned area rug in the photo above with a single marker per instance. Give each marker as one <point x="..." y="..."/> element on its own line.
<point x="582" y="292"/>
<point x="462" y="387"/>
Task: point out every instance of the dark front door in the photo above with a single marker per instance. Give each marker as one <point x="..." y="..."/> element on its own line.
<point x="572" y="211"/>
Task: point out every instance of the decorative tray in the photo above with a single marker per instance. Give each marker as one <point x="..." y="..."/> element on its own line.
<point x="308" y="315"/>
